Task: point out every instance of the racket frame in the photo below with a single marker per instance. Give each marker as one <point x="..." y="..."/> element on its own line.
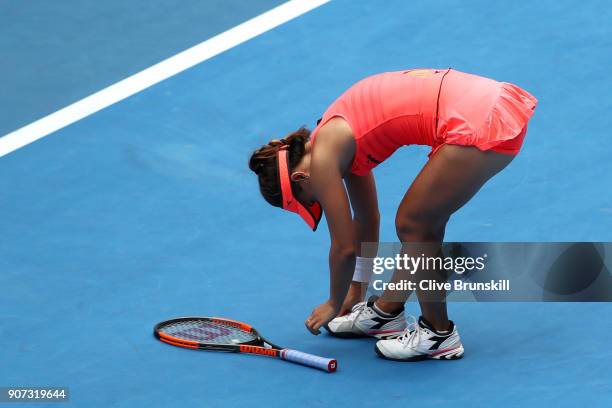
<point x="255" y="346"/>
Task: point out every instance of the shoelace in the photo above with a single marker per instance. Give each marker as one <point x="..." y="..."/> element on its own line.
<point x="356" y="311"/>
<point x="412" y="335"/>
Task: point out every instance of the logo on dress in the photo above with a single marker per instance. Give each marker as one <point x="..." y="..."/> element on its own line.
<point x="420" y="73"/>
<point x="372" y="159"/>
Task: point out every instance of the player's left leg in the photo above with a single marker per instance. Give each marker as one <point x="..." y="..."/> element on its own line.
<point x="448" y="181"/>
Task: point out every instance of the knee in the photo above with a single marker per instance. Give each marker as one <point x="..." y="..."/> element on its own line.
<point x="419" y="228"/>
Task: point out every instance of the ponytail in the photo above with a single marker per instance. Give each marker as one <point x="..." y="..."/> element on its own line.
<point x="263" y="162"/>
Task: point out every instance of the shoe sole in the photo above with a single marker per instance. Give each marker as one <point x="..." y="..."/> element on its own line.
<point x="349" y="335"/>
<point x="344" y="335"/>
<point x="452" y="355"/>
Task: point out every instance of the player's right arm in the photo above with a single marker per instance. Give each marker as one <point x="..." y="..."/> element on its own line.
<point x="366" y="223"/>
<point x="366" y="217"/>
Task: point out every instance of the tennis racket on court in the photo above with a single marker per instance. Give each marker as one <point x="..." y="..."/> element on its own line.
<point x="219" y="334"/>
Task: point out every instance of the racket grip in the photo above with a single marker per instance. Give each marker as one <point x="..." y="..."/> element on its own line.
<point x="310" y="360"/>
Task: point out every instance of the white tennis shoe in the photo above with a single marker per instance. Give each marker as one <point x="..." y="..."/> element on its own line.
<point x="364" y="321"/>
<point x="420" y="342"/>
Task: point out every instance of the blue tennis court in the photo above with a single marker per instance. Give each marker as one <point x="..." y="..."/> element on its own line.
<point x="146" y="210"/>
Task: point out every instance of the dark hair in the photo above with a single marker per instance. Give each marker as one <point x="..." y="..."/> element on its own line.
<point x="264" y="163"/>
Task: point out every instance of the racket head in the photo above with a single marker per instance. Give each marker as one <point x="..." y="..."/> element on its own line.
<point x="207" y="333"/>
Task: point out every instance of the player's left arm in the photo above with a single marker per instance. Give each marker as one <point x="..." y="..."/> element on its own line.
<point x="328" y="186"/>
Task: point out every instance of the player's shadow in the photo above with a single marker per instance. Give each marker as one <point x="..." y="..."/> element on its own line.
<point x="579" y="274"/>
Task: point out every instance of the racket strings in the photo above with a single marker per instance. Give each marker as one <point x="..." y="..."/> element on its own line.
<point x="205" y="331"/>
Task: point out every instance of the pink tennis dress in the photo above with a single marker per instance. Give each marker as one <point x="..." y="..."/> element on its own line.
<point x="430" y="107"/>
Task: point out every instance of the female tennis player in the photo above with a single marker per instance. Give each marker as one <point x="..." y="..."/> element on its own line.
<point x="475" y="127"/>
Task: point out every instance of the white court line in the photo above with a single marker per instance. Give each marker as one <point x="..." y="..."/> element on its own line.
<point x="156" y="73"/>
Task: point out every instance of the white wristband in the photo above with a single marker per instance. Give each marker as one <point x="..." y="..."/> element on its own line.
<point x="363" y="269"/>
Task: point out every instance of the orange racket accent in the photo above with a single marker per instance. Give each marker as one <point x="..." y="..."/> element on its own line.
<point x="164" y="336"/>
<point x="235" y="323"/>
<point x="185" y="345"/>
<point x="258" y="350"/>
